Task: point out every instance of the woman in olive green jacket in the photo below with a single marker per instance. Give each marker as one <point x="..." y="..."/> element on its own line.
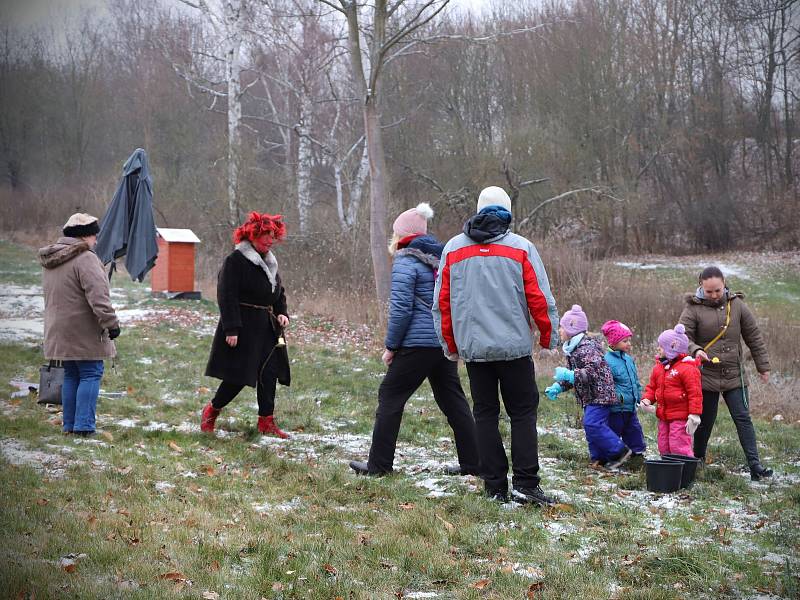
<point x="716" y="321"/>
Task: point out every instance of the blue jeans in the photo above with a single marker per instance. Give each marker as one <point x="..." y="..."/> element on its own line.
<point x="604" y="444"/>
<point x="626" y="425"/>
<point x="79" y="393"/>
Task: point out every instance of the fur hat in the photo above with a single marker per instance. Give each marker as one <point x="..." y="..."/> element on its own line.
<point x="494" y="196"/>
<point x="81" y="225"/>
<point x="574" y="321"/>
<point x="615" y="332"/>
<point x="414" y="221"/>
<point x="674" y="341"/>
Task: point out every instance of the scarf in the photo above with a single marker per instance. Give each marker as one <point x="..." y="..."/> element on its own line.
<point x="268" y="263"/>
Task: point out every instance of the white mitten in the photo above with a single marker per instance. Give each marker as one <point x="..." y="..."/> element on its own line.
<point x="692" y="423"/>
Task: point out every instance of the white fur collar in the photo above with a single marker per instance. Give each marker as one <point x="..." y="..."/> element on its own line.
<point x="268" y="264"/>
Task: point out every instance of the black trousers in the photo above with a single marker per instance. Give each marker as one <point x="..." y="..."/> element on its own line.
<point x="741" y="418"/>
<point x="521" y="400"/>
<point x="409" y="369"/>
<point x="265" y="393"/>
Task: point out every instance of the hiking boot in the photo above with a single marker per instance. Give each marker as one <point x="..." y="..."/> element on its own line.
<point x="533" y="495"/>
<point x="616" y="463"/>
<point x="498" y="495"/>
<point x="362" y="468"/>
<point x="458" y="470"/>
<point x="758" y="472"/>
<point x="209" y="418"/>
<point x="266" y="425"/>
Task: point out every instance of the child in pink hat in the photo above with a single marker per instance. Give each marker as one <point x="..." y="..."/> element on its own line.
<point x="623" y="419"/>
<point x="676" y="391"/>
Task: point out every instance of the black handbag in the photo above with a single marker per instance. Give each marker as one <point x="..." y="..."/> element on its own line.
<point x="51" y="378"/>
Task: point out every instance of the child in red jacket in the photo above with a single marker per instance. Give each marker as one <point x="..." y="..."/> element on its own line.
<point x="676" y="391"/>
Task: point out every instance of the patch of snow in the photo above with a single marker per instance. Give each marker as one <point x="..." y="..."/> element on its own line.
<point x="284" y="507"/>
<point x="127" y="423"/>
<point x="21" y="330"/>
<point x="164" y="486"/>
<point x="17" y="453"/>
<point x="434" y="487"/>
<point x="420" y="595"/>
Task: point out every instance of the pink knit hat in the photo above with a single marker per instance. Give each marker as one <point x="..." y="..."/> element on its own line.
<point x="574" y="321"/>
<point x="615" y="332"/>
<point x="674" y="341"/>
<point x="414" y="221"/>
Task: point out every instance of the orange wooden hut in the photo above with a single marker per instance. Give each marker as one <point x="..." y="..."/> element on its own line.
<point x="173" y="274"/>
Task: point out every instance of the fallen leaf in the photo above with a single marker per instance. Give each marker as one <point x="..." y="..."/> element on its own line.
<point x="507" y="568"/>
<point x="42" y="501"/>
<point x="68" y="565"/>
<point x="481" y="583"/>
<point x="567" y="508"/>
<point x="125" y="470"/>
<point x="91" y="520"/>
<point x="330" y="570"/>
<point x="214" y="566"/>
<point x="218" y="460"/>
<point x="175" y="447"/>
<point x="447" y="525"/>
<point x="533" y="588"/>
<point x="107" y="435"/>
<point x="203" y="390"/>
<point x="210" y="471"/>
<point x="173" y="576"/>
<point x="406" y="506"/>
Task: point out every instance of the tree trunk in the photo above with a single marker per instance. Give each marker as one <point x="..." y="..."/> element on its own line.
<point x="304" y="165"/>
<point x="377" y="194"/>
<point x="233" y="17"/>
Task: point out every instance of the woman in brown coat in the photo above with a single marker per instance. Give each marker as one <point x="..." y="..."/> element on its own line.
<point x="79" y="321"/>
<point x="716" y="321"/>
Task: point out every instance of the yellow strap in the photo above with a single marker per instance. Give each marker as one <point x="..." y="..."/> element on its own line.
<point x="724" y="327"/>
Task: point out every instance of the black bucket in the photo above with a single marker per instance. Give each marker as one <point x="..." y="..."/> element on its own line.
<point x="663" y="475"/>
<point x="689" y="467"/>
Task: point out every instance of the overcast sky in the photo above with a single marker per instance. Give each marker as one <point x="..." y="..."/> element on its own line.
<point x="36" y="13"/>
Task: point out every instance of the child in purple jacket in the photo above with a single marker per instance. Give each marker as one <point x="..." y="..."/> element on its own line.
<point x="589" y="374"/>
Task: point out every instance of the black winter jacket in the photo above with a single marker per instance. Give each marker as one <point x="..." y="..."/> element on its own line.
<point x="242" y="282"/>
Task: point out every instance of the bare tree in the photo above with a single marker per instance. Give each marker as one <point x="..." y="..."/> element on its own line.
<point x="377" y="34"/>
<point x="227" y="19"/>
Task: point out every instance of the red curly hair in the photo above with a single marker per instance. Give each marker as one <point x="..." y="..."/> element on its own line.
<point x="257" y="225"/>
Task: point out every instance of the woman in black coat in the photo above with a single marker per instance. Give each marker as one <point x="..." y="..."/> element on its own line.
<point x="248" y="349"/>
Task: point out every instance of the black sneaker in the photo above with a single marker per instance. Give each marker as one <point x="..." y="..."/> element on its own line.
<point x="531" y="496"/>
<point x="616" y="463"/>
<point x="757" y="472"/>
<point x="458" y="470"/>
<point x="83" y="433"/>
<point x="362" y="468"/>
<point x="498" y="495"/>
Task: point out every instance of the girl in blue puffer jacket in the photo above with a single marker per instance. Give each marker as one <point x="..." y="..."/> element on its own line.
<point x="413" y="353"/>
<point x="623" y="419"/>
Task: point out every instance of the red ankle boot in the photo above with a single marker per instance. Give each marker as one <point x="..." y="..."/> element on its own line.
<point x="267" y="425"/>
<point x="209" y="418"/>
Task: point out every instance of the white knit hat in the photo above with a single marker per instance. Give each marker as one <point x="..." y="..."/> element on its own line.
<point x="494" y="196"/>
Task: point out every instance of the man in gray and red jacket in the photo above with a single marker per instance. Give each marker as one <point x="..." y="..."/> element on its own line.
<point x="492" y="287"/>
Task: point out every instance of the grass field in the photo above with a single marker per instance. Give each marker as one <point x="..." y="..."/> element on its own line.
<point x="151" y="508"/>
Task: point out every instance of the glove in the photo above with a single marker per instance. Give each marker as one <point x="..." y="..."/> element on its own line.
<point x="553" y="391"/>
<point x="562" y="374"/>
<point x="647" y="406"/>
<point x="692" y="423"/>
<point x="113" y="333"/>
